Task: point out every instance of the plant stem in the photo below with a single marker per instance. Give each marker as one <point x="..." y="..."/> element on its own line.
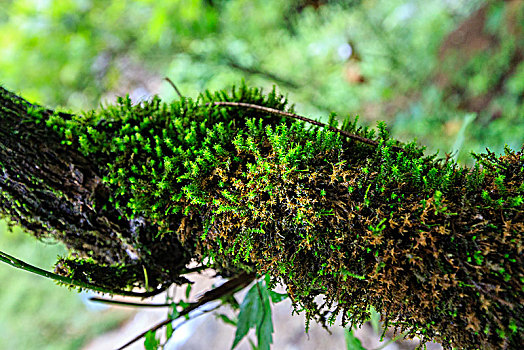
<point x="19" y="264"/>
<point x="126" y="303"/>
<point x="296" y="116"/>
<point x="228" y="288"/>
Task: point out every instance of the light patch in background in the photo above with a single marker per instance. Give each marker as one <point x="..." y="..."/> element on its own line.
<point x="139" y="94"/>
<point x="344" y="51"/>
<point x="461" y="135"/>
<point x="91" y="306"/>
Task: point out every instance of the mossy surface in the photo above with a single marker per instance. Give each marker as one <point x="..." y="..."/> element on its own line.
<point x="53" y="190"/>
<point x="435" y="247"/>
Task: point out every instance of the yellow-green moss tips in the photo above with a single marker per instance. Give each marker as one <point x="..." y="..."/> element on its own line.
<point x="434" y="247"/>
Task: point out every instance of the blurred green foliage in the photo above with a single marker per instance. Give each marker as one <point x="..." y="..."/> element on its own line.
<point x="74" y="52"/>
<point x="376" y="58"/>
<point x="36" y="313"/>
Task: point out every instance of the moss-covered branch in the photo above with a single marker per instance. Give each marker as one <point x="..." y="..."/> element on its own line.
<point x="53" y="190"/>
<point x="136" y="192"/>
<point x="69" y="281"/>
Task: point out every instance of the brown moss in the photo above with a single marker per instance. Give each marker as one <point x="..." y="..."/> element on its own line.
<point x="436" y="248"/>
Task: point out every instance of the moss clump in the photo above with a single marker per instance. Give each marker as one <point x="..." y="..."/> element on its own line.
<point x="54" y="191"/>
<point x="427" y="243"/>
<point x="436" y="248"/>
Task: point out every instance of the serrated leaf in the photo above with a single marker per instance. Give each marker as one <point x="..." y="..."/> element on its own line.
<point x="264" y="329"/>
<point x="151" y="342"/>
<point x="375" y="320"/>
<point x="352" y="342"/>
<point x="248" y="315"/>
<point x="255" y="312"/>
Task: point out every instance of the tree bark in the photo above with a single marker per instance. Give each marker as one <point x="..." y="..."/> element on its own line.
<point x="54" y="191"/>
<point x="136" y="192"/>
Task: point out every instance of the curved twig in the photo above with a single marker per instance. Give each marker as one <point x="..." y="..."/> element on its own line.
<point x="228" y="288"/>
<point x="299" y="117"/>
<point x="126" y="303"/>
<point x="19" y="264"/>
<point x="174" y="87"/>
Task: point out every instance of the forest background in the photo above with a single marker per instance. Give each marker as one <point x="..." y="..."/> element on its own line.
<point x="448" y="73"/>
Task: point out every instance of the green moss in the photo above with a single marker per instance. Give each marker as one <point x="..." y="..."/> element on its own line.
<point x="377" y="224"/>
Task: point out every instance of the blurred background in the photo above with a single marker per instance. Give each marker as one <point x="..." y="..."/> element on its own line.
<point x="449" y="73"/>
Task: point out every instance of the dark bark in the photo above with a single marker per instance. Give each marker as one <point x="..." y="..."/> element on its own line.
<point x="53" y="190"/>
<point x="358" y="218"/>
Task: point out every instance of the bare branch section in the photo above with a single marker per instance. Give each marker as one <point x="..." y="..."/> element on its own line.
<point x="235" y="180"/>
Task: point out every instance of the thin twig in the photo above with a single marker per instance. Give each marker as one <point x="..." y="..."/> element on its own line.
<point x="19" y="264"/>
<point x="190" y="319"/>
<point x="174" y="87"/>
<point x="296" y="116"/>
<point x="194" y="269"/>
<point x="401" y="335"/>
<point x="126" y="303"/>
<point x="228" y="288"/>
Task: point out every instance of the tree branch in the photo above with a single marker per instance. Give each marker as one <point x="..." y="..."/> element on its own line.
<point x="138" y="191"/>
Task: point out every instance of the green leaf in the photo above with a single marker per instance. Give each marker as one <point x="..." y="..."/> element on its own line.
<point x="169" y="331"/>
<point x="255" y="312"/>
<point x="182" y="304"/>
<point x="277" y="297"/>
<point x="232" y="302"/>
<point x="151" y="342"/>
<point x="249" y="314"/>
<point x="264" y="331"/>
<point x="375" y="320"/>
<point x="188" y="290"/>
<point x="173" y="312"/>
<point x="226" y="319"/>
<point x="352" y="342"/>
